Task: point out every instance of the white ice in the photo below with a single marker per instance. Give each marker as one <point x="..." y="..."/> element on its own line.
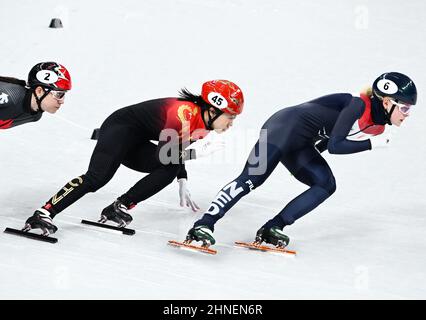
<point x="366" y="242"/>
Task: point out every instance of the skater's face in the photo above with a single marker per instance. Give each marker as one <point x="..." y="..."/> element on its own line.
<point x="399" y="113"/>
<point x="53" y="101"/>
<point x="223" y="123"/>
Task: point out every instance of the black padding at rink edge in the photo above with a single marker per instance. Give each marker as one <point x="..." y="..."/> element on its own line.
<point x="219" y="309"/>
<point x="95" y="134"/>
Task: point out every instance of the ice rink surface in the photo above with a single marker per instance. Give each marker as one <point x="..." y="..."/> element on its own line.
<point x="365" y="242"/>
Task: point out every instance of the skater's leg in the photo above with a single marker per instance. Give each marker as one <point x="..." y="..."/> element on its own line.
<point x="261" y="162"/>
<point x="143" y="159"/>
<point x="310" y="168"/>
<point x="112" y="145"/>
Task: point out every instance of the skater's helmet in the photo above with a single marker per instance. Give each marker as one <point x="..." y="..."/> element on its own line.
<point x="223" y="95"/>
<point x="49" y="75"/>
<point x="397" y="86"/>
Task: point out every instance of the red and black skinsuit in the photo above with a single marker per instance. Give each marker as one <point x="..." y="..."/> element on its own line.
<point x="15" y="104"/>
<point x="125" y="138"/>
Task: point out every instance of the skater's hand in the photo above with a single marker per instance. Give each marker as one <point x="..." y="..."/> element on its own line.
<point x="380" y="141"/>
<point x="207" y="148"/>
<point x="185" y="196"/>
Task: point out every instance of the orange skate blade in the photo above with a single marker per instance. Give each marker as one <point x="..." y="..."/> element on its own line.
<point x="191" y="246"/>
<point x="263" y="247"/>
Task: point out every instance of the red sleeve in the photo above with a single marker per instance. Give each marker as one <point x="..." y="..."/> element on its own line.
<point x="6" y="124"/>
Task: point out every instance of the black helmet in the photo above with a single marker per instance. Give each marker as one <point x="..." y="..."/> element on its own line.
<point x="49" y="75"/>
<point x="397" y="86"/>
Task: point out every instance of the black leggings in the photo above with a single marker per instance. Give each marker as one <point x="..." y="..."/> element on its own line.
<point x="117" y="144"/>
<point x="306" y="165"/>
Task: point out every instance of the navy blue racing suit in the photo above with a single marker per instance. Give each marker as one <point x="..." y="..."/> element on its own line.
<point x="295" y="136"/>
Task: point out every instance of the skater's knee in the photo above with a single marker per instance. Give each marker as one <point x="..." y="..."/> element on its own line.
<point x="331" y="185"/>
<point x="328" y="184"/>
<point x="94" y="182"/>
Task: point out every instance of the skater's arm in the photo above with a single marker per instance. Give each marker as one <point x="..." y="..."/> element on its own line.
<point x="7" y="115"/>
<point x="338" y="144"/>
<point x="182" y="174"/>
<point x="7" y="107"/>
<point x="172" y="153"/>
<point x="6" y="120"/>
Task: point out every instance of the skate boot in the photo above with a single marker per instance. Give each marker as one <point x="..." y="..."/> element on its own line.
<point x="273" y="235"/>
<point x="116" y="212"/>
<point x="40" y="220"/>
<point x="200" y="233"/>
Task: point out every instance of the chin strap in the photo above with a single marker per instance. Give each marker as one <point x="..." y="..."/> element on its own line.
<point x="389" y="114"/>
<point x="211" y="119"/>
<point x="39" y="100"/>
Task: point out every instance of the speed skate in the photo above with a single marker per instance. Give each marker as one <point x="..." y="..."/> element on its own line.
<point x="258" y="246"/>
<point x="25" y="233"/>
<point x="188" y="245"/>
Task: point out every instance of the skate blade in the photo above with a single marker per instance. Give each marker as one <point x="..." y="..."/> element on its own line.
<point x="187" y="244"/>
<point x="259" y="246"/>
<point x="125" y="231"/>
<point x="30" y="235"/>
